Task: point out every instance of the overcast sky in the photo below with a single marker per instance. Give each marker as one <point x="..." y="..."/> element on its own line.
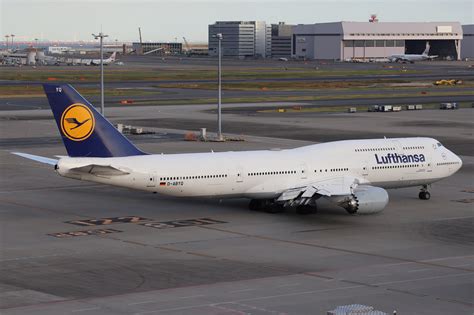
<point x="165" y="20"/>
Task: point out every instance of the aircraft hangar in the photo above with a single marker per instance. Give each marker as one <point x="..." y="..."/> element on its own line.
<point x="376" y="40"/>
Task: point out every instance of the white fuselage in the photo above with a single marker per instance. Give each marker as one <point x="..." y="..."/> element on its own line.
<point x="386" y="163"/>
<point x="410" y="57"/>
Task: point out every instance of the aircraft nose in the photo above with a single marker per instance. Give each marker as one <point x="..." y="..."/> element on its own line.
<point x="458" y="159"/>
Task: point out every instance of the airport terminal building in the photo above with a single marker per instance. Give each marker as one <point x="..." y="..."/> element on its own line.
<point x="375" y="40"/>
<point x="281" y="40"/>
<point x="467" y="44"/>
<point x="241" y="39"/>
<point x="158" y="48"/>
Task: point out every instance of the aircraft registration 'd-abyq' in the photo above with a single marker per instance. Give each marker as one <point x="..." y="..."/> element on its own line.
<point x="352" y="174"/>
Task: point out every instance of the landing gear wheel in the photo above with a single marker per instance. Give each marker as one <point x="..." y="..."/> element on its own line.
<point x="254" y="204"/>
<point x="266" y="205"/>
<point x="427" y="196"/>
<point x="306" y="209"/>
<point x="424" y="195"/>
<point x="274" y="208"/>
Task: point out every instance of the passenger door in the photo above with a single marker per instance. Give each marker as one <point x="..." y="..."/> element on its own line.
<point x="304" y="170"/>
<point x="428" y="164"/>
<point x="151" y="180"/>
<point x="365" y="169"/>
<point x="239" y="174"/>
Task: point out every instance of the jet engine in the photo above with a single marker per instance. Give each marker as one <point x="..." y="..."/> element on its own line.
<point x="364" y="200"/>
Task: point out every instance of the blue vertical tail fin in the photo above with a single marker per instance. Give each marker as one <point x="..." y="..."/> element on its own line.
<point x="85" y="132"/>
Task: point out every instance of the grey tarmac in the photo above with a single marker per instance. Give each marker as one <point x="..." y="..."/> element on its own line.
<point x="415" y="257"/>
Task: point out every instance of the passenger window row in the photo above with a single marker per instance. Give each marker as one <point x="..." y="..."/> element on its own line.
<point x="271" y="173"/>
<point x="395" y="166"/>
<point x="374" y="149"/>
<point x="193" y="177"/>
<point x="333" y="170"/>
<point x="414" y="148"/>
<point x="447" y="163"/>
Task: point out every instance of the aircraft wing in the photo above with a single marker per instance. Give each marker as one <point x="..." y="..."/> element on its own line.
<point x="337" y="186"/>
<point x="99" y="170"/>
<point x="37" y="158"/>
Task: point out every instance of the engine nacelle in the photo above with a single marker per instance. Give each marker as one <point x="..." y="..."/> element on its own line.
<point x="364" y="200"/>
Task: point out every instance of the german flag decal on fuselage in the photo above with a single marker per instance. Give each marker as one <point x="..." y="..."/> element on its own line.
<point x="77" y="122"/>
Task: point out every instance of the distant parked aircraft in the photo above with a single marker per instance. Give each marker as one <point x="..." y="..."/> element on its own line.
<point x="412" y="57"/>
<point x="86" y="61"/>
<point x="15" y="57"/>
<point x="111" y="59"/>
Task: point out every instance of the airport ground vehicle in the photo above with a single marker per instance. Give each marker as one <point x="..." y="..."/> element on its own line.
<point x="448" y="106"/>
<point x="384" y="108"/>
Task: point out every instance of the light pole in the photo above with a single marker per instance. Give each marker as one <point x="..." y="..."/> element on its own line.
<point x="219" y="100"/>
<point x="12" y="35"/>
<point x="6" y="40"/>
<point x="101" y="37"/>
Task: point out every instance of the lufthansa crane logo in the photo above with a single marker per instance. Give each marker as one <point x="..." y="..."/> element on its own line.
<point x="77" y="122"/>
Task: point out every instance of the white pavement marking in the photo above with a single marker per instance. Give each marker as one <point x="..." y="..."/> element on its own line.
<point x="288" y="285"/>
<point x="425" y="278"/>
<point x="30" y="257"/>
<point x="258" y="308"/>
<point x="379" y="275"/>
<point x="48" y="189"/>
<point x="219" y="306"/>
<point x="191" y="296"/>
<point x="143" y="302"/>
<point x="463" y="265"/>
<point x="419" y="270"/>
<point x="249" y="299"/>
<point x="453" y="218"/>
<point x="400" y="263"/>
<point x="242" y="290"/>
<point x="85" y="309"/>
<point x="329" y="280"/>
<point x="448" y="258"/>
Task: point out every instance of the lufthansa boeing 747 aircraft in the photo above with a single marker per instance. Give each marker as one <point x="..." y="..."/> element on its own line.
<point x="352" y="174"/>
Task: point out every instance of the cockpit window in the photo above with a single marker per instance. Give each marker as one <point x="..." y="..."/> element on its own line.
<point x="439" y="145"/>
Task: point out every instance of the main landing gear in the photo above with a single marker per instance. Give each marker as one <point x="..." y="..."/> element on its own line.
<point x="265" y="205"/>
<point x="306" y="209"/>
<point x="271" y="206"/>
<point x="424" y="193"/>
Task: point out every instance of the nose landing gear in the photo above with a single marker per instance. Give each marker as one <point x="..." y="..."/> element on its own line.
<point x="424" y="193"/>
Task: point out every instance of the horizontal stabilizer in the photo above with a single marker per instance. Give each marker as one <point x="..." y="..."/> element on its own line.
<point x="37" y="158"/>
<point x="99" y="170"/>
